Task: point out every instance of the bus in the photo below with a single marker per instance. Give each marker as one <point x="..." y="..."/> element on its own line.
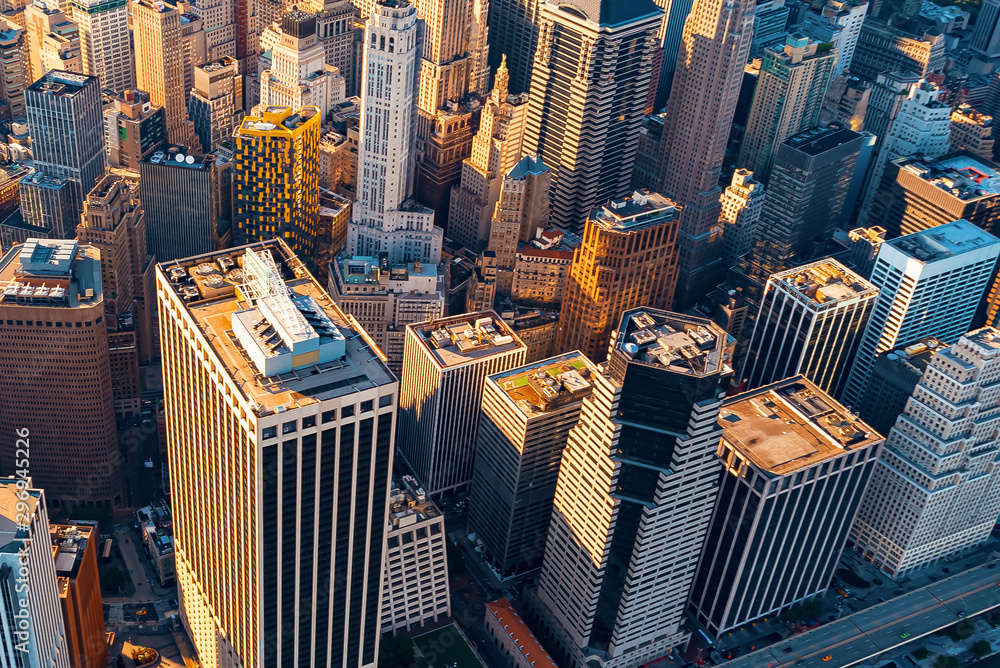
<point x="106" y="552"/>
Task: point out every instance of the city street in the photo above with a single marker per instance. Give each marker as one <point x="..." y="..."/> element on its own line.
<point x="897" y="621"/>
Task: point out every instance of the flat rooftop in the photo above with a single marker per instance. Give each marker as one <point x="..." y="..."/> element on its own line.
<point x="549" y="384"/>
<point x="825" y="282"/>
<point x="918" y="355"/>
<point x="69" y="544"/>
<point x="62" y="83"/>
<point x="212" y="300"/>
<point x="466" y="338"/>
<point x="964" y="175"/>
<point x="943" y="241"/>
<point x="409" y="503"/>
<point x="11" y="532"/>
<point x="680" y="343"/>
<point x="51" y="273"/>
<point x="820" y="140"/>
<point x="639" y="209"/>
<point x="180" y="156"/>
<point x="791" y="425"/>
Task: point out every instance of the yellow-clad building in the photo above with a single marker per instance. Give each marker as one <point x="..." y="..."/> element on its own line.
<point x="276" y="184"/>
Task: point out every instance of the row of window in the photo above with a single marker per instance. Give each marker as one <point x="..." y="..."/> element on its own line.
<point x="309" y="421"/>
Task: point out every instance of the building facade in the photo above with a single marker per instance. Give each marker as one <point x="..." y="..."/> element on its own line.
<point x="972" y="131"/>
<point x="741" y="203"/>
<point x="215" y="105"/>
<point x="53" y="41"/>
<point x="135" y="129"/>
<point x="307" y="457"/>
<point x="105" y="41"/>
<point x="75" y="550"/>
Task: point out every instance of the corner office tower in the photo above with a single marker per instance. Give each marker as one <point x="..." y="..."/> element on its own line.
<point x="280" y="419"/>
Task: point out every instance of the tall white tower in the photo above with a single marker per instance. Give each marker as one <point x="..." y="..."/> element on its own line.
<point x="385" y="218"/>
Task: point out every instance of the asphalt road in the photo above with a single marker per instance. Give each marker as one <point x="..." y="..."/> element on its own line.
<point x="897" y="621"/>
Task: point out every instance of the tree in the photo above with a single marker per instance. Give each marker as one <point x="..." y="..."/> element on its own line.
<point x="945" y="661"/>
<point x="395" y="652"/>
<point x="113" y="578"/>
<point x="982" y="648"/>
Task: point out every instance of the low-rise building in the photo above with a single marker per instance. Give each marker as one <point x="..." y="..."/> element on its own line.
<point x="972" y="130"/>
<point x="513" y="637"/>
<point x="542" y="265"/>
<point x="415" y="582"/>
<point x="537" y="328"/>
<point x="157" y="529"/>
<point x="74" y="548"/>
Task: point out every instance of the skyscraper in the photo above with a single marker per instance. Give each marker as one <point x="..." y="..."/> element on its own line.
<point x="159" y="65"/>
<point x="53" y="41"/>
<point x="741" y="202"/>
<point x="298" y="75"/>
<point x="838" y="23"/>
<point x="986" y="32"/>
<point x="57" y="373"/>
<point x="589" y="82"/>
<point x="523" y="208"/>
<point x="640" y="463"/>
<point x="514" y="38"/>
<point x="75" y="550"/>
<point x="335" y="27"/>
<point x="496" y="148"/>
<point x="15" y="66"/>
<point x="386" y="219"/>
<point x="295" y="411"/>
<point x="446" y="361"/>
<point x="810" y="322"/>
<point x="885" y="47"/>
<point x="628" y="259"/>
<point x="787" y="100"/>
<point x="930" y="284"/>
<point x="186" y="210"/>
<point x="105" y="41"/>
<point x="527" y="413"/>
<point x="797" y="465"/>
<point x="809" y="183"/>
<point x="276" y="182"/>
<point x="710" y="62"/>
<point x="28" y="529"/>
<point x="936" y="490"/>
<point x="67" y="130"/>
<point x="216" y="103"/>
<point x="136" y="129"/>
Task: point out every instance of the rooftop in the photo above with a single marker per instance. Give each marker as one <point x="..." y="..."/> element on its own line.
<point x="51" y="273"/>
<point x="180" y="156"/>
<point x="466" y="338"/>
<point x="962" y="174"/>
<point x="246" y="337"/>
<point x="278" y="121"/>
<point x="636" y="211"/>
<point x="549" y="384"/>
<point x="791" y="425"/>
<point x="61" y="83"/>
<point x="943" y="241"/>
<point x="409" y="504"/>
<point x="519" y="632"/>
<point x="157" y="527"/>
<point x="825" y="282"/>
<point x="677" y="342"/>
<point x="820" y="140"/>
<point x="69" y="544"/>
<point x="917" y="355"/>
<point x="12" y="534"/>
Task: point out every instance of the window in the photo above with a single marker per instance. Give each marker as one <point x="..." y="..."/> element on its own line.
<point x="329" y="416"/>
<point x="347" y="411"/>
<point x="367" y="406"/>
<point x="289" y="427"/>
<point x="308" y="422"/>
<point x="270" y="432"/>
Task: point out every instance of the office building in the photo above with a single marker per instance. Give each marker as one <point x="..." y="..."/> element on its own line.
<point x="75" y="548"/>
<point x="930" y="284"/>
<point x="809" y="183"/>
<point x="229" y="28"/>
<point x="889" y="48"/>
<point x="300" y="413"/>
<point x="183" y="196"/>
<point x="276" y="178"/>
<point x="770" y="18"/>
<point x="298" y="75"/>
<point x="216" y="102"/>
<point x="838" y="23"/>
<point x="136" y="128"/>
<point x="706" y="84"/>
<point x="584" y="130"/>
<point x="386" y="298"/>
<point x="67" y="130"/>
<point x="741" y="205"/>
<point x="921" y="126"/>
<point x="58" y="378"/>
<point x="113" y="222"/>
<point x="522" y="209"/>
<point x="336" y="22"/>
<point x="160" y="63"/>
<point x="918" y="193"/>
<point x="527" y="413"/>
<point x="105" y="41"/>
<point x="415" y="581"/>
<point x="541" y="267"/>
<point x="971" y="131"/>
<point x="846" y="102"/>
<point x="895" y="375"/>
<point x="44" y="641"/>
<point x="617" y="573"/>
<point x="496" y="148"/>
<point x="386" y="219"/>
<point x="53" y="41"/>
<point x="810" y="322"/>
<point x="935" y="490"/>
<point x="797" y="465"/>
<point x="788" y="99"/>
<point x="513" y="38"/>
<point x="15" y="66"/>
<point x="157" y="530"/>
<point x="986" y="31"/>
<point x="627" y="259"/>
<point x="47" y="205"/>
<point x="440" y="395"/>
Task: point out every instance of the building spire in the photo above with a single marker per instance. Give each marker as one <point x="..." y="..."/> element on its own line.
<point x="501" y="87"/>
